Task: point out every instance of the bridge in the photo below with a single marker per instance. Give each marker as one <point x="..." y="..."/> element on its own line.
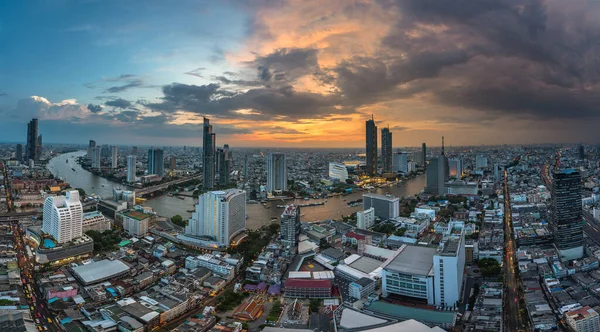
<point x="163" y="186"/>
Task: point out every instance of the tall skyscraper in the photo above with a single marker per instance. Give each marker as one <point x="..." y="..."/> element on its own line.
<point x="246" y="167"/>
<point x="31" y="149"/>
<point x="386" y="149"/>
<point x="156" y="162"/>
<point x="134" y="151"/>
<point x="97" y="157"/>
<point x="63" y="217"/>
<point x="455" y="168"/>
<point x="276" y="172"/>
<point x="224" y="164"/>
<point x="131" y="168"/>
<point x="220" y="215"/>
<point x="91" y="145"/>
<point x="400" y="162"/>
<point x="581" y="152"/>
<point x="371" y="140"/>
<point x="290" y="226"/>
<point x="19" y="152"/>
<point x="115" y="156"/>
<point x="173" y="163"/>
<point x="208" y="155"/>
<point x="424" y="155"/>
<point x="438" y="173"/>
<point x="39" y="146"/>
<point x="567" y="215"/>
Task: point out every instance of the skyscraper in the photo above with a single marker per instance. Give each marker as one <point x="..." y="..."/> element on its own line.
<point x="156" y="162"/>
<point x="19" y="152"/>
<point x="400" y="162"/>
<point x="246" y="167"/>
<point x="131" y="168"/>
<point x="371" y="140"/>
<point x="39" y="146"/>
<point x="63" y="217"/>
<point x="173" y="163"/>
<point x="424" y="155"/>
<point x="224" y="164"/>
<point x="455" y="168"/>
<point x="115" y="156"/>
<point x="481" y="161"/>
<point x="220" y="215"/>
<point x="276" y="172"/>
<point x="134" y="151"/>
<point x="97" y="157"/>
<point x="567" y="216"/>
<point x="290" y="226"/>
<point x="31" y="149"/>
<point x="386" y="150"/>
<point x="438" y="173"/>
<point x="581" y="152"/>
<point x="208" y="155"/>
<point x="91" y="145"/>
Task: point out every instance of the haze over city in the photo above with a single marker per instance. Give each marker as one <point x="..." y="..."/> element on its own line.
<point x="298" y="73"/>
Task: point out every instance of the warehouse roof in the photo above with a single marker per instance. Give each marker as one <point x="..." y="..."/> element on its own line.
<point x="308" y="283"/>
<point x="100" y="270"/>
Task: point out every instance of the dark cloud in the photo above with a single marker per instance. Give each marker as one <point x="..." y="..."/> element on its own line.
<point x="121" y="78"/>
<point x="196" y="72"/>
<point x="286" y="64"/>
<point x="119" y="103"/>
<point x="121" y="88"/>
<point x="2" y="94"/>
<point x="94" y="108"/>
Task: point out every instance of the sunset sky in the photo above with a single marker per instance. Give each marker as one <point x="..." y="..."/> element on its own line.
<point x="301" y="73"/>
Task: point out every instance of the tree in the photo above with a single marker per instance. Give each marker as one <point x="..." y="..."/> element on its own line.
<point x="400" y="231"/>
<point x="178" y="220"/>
<point x="315" y="305"/>
<point x="81" y="192"/>
<point x="323" y="244"/>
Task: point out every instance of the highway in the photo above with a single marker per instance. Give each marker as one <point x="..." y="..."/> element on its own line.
<point x="148" y="190"/>
<point x="512" y="312"/>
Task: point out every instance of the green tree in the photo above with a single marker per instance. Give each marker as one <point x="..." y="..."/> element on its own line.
<point x="315" y="305"/>
<point x="178" y="220"/>
<point x="81" y="192"/>
<point x="400" y="231"/>
<point x="323" y="244"/>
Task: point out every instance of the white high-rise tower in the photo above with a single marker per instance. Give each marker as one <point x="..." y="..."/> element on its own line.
<point x="63" y="217"/>
<point x="276" y="172"/>
<point x="114" y="156"/>
<point x="131" y="169"/>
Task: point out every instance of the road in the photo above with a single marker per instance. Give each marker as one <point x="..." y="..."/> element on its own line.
<point x="9" y="199"/>
<point x="148" y="190"/>
<point x="512" y="308"/>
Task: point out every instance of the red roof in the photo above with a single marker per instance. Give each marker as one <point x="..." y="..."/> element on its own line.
<point x="307" y="283"/>
<point x="355" y="236"/>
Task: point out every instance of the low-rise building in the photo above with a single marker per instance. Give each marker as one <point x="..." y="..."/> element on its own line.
<point x="136" y="223"/>
<point x="307" y="288"/>
<point x="361" y="288"/>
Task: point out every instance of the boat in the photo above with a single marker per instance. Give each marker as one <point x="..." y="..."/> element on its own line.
<point x="66" y="161"/>
<point x="73" y="170"/>
<point x="190" y="211"/>
<point x="102" y="185"/>
<point x="181" y="198"/>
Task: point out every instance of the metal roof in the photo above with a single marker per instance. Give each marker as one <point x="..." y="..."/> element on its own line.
<point x="413" y="260"/>
<point x="101" y="270"/>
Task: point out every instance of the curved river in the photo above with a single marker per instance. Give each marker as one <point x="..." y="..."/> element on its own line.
<point x="66" y="167"/>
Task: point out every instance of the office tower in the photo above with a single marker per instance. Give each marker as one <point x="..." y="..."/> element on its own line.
<point x="115" y="156"/>
<point x="338" y="171"/>
<point x="432" y="177"/>
<point x="496" y="173"/>
<point x="400" y="162"/>
<point x="131" y="168"/>
<point x="567" y="217"/>
<point x="105" y="151"/>
<point x="581" y="152"/>
<point x="39" y="146"/>
<point x="455" y="168"/>
<point x="220" y="215"/>
<point x="97" y="157"/>
<point x="134" y="151"/>
<point x="481" y="161"/>
<point x="63" y="217"/>
<point x="91" y="145"/>
<point x="385" y="206"/>
<point x="365" y="219"/>
<point x="173" y="163"/>
<point x="424" y="155"/>
<point x="19" y="153"/>
<point x="208" y="155"/>
<point x="31" y="149"/>
<point x="224" y="164"/>
<point x="290" y="226"/>
<point x="156" y="162"/>
<point x="246" y="166"/>
<point x="371" y="141"/>
<point x="386" y="150"/>
<point x="438" y="173"/>
<point x="276" y="172"/>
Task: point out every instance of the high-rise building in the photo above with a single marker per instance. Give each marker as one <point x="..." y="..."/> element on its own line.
<point x="39" y="146"/>
<point x="134" y="151"/>
<point x="400" y="162"/>
<point x="156" y="162"/>
<point x="246" y="167"/>
<point x="424" y="155"/>
<point x="371" y="140"/>
<point x="567" y="215"/>
<point x="224" y="164"/>
<point x="276" y="172"/>
<point x="131" y="168"/>
<point x="115" y="156"/>
<point x="365" y="219"/>
<point x="219" y="215"/>
<point x="19" y="152"/>
<point x="386" y="150"/>
<point x="91" y="145"/>
<point x="338" y="171"/>
<point x="581" y="152"/>
<point x="173" y="163"/>
<point x="438" y="173"/>
<point x="31" y="149"/>
<point x="385" y="206"/>
<point x="481" y="161"/>
<point x="97" y="157"/>
<point x="208" y="155"/>
<point x="455" y="168"/>
<point x="63" y="217"/>
<point x="583" y="319"/>
<point x="497" y="173"/>
<point x="290" y="226"/>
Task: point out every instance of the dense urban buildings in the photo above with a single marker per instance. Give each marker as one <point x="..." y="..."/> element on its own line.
<point x="386" y="149"/>
<point x="290" y="226"/>
<point x="32" y="147"/>
<point x="131" y="168"/>
<point x="63" y="217"/>
<point x="338" y="171"/>
<point x="567" y="218"/>
<point x="276" y="172"/>
<point x="208" y="155"/>
<point x="371" y="150"/>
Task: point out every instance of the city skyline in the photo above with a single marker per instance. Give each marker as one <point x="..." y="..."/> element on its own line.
<point x="479" y="73"/>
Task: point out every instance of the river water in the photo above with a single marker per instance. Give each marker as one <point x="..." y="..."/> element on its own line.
<point x="64" y="166"/>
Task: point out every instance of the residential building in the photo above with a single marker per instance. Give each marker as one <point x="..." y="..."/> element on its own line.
<point x="386" y="150"/>
<point x="19" y="152"/>
<point x="131" y="168"/>
<point x="219" y="215"/>
<point x="209" y="141"/>
<point x="361" y="288"/>
<point x="290" y="226"/>
<point x="173" y="163"/>
<point x="338" y="171"/>
<point x="386" y="206"/>
<point x="97" y="157"/>
<point x="481" y="161"/>
<point x="32" y="147"/>
<point x="276" y="172"/>
<point x="307" y="288"/>
<point x="371" y="150"/>
<point x="63" y="217"/>
<point x="136" y="223"/>
<point x="584" y="319"/>
<point x="91" y="145"/>
<point x="455" y="168"/>
<point x="115" y="157"/>
<point x="567" y="215"/>
<point x="224" y="159"/>
<point x="213" y="263"/>
<point x="581" y="151"/>
<point x="156" y="162"/>
<point x="400" y="162"/>
<point x="95" y="221"/>
<point x="365" y="219"/>
<point x="424" y="155"/>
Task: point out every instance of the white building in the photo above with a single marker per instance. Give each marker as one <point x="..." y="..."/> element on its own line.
<point x="220" y="215"/>
<point x="584" y="319"/>
<point x="386" y="206"/>
<point x="455" y="168"/>
<point x="213" y="263"/>
<point x="95" y="221"/>
<point x="290" y="226"/>
<point x="365" y="219"/>
<point x="338" y="171"/>
<point x="63" y="217"/>
<point x="131" y="169"/>
<point x="115" y="156"/>
<point x="481" y="161"/>
<point x="448" y="267"/>
<point x="136" y="223"/>
<point x="400" y="162"/>
<point x="461" y="188"/>
<point x="413" y="225"/>
<point x="276" y="172"/>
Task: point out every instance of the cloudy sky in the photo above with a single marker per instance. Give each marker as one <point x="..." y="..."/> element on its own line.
<point x="301" y="72"/>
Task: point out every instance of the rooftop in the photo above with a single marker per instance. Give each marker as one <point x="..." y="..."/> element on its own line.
<point x="100" y="270"/>
<point x="366" y="264"/>
<point x="307" y="283"/>
<point x="412" y="260"/>
<point x="404" y="312"/>
<point x="379" y="196"/>
<point x="137" y="215"/>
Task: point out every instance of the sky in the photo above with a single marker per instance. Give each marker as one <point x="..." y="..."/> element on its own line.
<point x="301" y="73"/>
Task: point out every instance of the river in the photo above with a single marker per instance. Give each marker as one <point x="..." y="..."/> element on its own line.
<point x="258" y="215"/>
